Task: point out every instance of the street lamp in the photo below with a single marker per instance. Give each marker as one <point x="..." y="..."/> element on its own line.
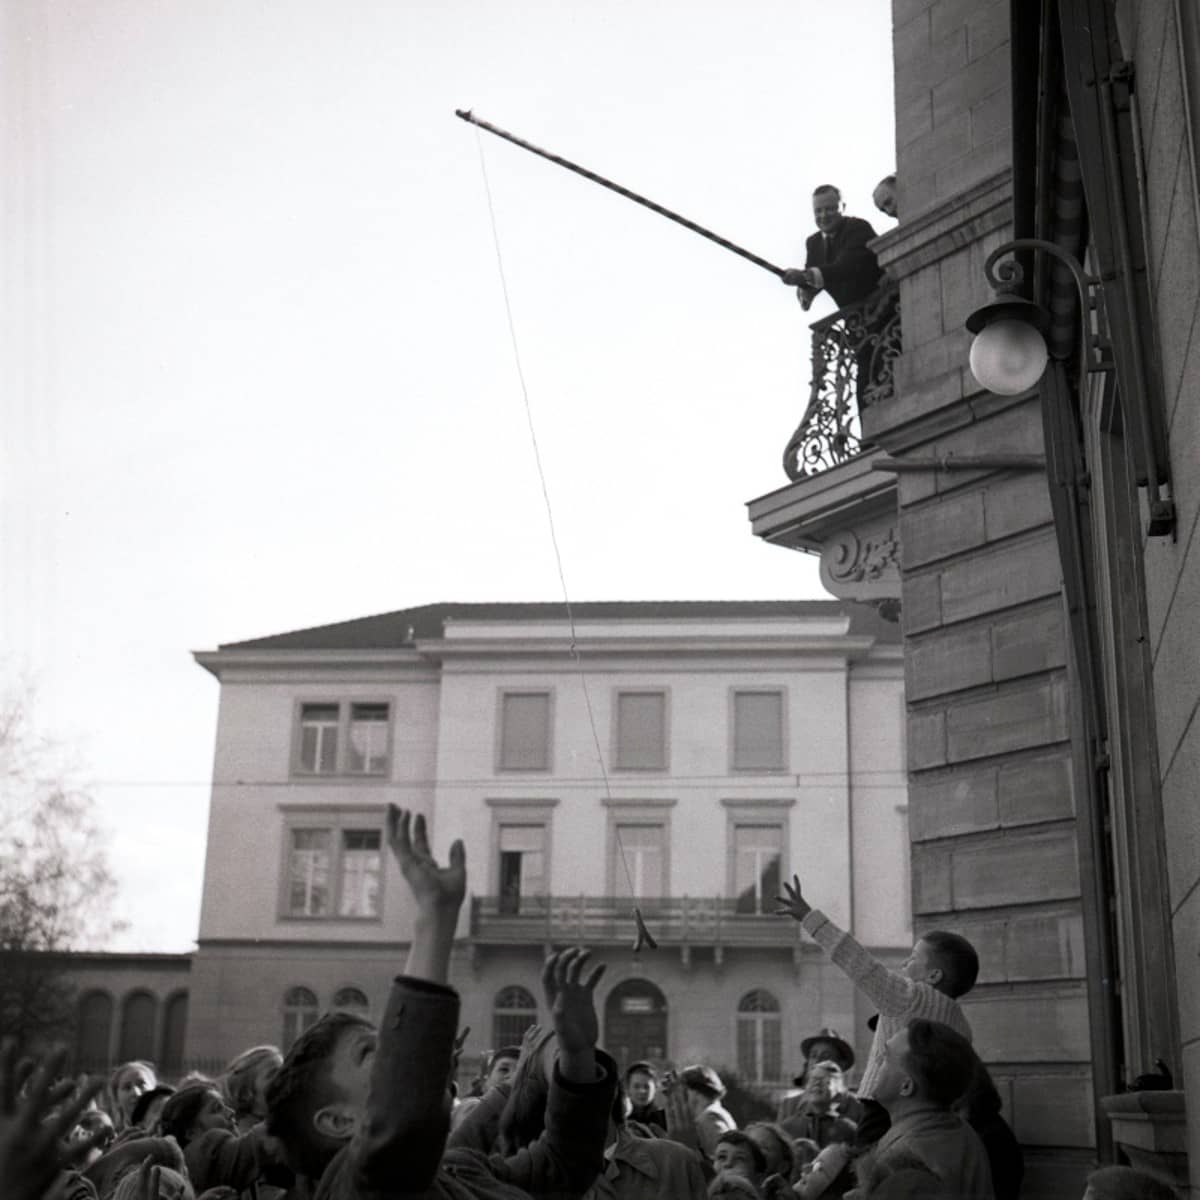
<point x="1008" y="353"/>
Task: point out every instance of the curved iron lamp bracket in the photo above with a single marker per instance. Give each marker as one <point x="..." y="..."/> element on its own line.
<point x="1005" y="275"/>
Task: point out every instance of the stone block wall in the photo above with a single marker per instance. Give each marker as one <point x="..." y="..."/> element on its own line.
<point x="992" y="808"/>
<point x="1163" y="40"/>
<point x="952" y="96"/>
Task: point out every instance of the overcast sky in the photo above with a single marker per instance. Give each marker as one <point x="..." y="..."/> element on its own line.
<point x="257" y="372"/>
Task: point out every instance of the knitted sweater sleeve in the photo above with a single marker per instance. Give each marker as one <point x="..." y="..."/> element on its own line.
<point x="892" y="993"/>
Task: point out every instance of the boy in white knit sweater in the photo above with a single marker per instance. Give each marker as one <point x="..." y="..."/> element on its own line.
<point x="941" y="967"/>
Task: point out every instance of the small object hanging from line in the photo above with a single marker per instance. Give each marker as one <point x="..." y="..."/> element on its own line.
<point x="468" y="116"/>
<point x="644" y="937"/>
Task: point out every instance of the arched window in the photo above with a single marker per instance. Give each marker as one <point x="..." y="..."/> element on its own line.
<point x="759" y="1038"/>
<point x="94" y="1036"/>
<point x="139" y="1014"/>
<point x="175" y="1014"/>
<point x="351" y="999"/>
<point x="300" y="1010"/>
<point x="513" y="1012"/>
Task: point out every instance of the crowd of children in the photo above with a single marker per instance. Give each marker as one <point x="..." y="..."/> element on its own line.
<point x="354" y="1111"/>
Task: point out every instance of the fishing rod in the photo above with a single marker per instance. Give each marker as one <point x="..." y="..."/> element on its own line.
<point x="468" y="116"/>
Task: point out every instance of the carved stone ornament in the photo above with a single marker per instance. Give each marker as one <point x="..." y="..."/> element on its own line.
<point x="864" y="565"/>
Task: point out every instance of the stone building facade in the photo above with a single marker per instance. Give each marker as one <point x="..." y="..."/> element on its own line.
<point x="1041" y="546"/>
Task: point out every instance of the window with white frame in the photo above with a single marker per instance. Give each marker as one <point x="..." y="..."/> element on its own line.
<point x="524" y="731"/>
<point x="640" y="860"/>
<point x="334" y="866"/>
<point x="758" y="742"/>
<point x="641" y="731"/>
<point x="361" y="865"/>
<point x="757" y="866"/>
<point x="522" y="867"/>
<point x="759" y="1038"/>
<point x="309" y="861"/>
<point x="349" y="739"/>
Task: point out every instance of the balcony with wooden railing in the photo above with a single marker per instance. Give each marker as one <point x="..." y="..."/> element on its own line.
<point x="853" y="352"/>
<point x="686" y="922"/>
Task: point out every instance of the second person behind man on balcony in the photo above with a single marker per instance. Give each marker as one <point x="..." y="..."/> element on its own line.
<point x="837" y="259"/>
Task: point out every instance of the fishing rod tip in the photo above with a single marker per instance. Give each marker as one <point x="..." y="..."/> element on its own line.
<point x="463" y="113"/>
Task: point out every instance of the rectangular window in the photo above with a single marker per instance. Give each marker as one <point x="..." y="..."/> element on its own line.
<point x="318" y="738"/>
<point x="525" y="731"/>
<point x="641" y="731"/>
<point x="758" y="731"/>
<point x="335" y="870"/>
<point x="522" y="864"/>
<point x="368" y="741"/>
<point x="343" y="739"/>
<point x="308" y="874"/>
<point x="757" y="866"/>
<point x="641" y="857"/>
<point x="361" y="866"/>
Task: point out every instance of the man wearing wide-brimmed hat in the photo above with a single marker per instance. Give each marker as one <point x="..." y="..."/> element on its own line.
<point x="826" y="1045"/>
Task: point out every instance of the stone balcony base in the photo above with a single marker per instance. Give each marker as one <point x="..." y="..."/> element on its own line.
<point x="1151" y="1130"/>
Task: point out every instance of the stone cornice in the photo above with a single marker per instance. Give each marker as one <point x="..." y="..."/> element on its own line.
<point x="559" y="650"/>
<point x="271" y="662"/>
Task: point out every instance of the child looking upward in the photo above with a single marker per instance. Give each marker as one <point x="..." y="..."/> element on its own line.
<point x="364" y="1112"/>
<point x="941" y="967"/>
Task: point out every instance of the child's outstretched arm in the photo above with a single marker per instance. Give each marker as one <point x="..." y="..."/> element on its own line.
<point x="437" y="891"/>
<point x="400" y="1143"/>
<point x="893" y="992"/>
<point x="569" y="1154"/>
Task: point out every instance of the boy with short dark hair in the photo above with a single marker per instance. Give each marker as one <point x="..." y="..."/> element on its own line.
<point x="364" y="1113"/>
<point x="941" y="967"/>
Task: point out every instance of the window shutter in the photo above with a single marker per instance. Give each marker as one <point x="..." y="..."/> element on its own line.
<point x="758" y="730"/>
<point x="525" y="732"/>
<point x="642" y="730"/>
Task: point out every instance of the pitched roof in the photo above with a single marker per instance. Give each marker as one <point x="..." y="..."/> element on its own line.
<point x="395" y="629"/>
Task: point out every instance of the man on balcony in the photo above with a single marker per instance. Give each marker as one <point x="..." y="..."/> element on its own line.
<point x="838" y="259"/>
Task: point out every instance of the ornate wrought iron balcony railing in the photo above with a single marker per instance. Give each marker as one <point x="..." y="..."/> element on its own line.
<point x="853" y="352"/>
<point x="674" y="920"/>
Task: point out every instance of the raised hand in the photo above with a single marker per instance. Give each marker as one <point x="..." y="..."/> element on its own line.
<point x="435" y="889"/>
<point x="681" y="1125"/>
<point x="793" y="903"/>
<point x="33" y="1125"/>
<point x="570" y="999"/>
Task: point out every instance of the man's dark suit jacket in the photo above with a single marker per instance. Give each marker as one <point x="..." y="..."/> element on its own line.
<point x="850" y="270"/>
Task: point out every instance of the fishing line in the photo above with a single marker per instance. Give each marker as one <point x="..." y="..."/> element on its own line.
<point x="643" y="934"/>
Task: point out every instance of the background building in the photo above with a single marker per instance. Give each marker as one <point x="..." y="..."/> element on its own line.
<point x="740" y="742"/>
<point x="1042" y="547"/>
<point x="130" y="1006"/>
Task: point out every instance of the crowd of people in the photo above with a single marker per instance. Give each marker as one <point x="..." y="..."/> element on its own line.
<point x="354" y="1111"/>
